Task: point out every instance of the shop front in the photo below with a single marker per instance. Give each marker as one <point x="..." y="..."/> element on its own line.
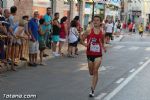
<point x="136" y="16"/>
<point x="111" y="11"/>
<point x="41" y="6"/>
<point x="99" y="9"/>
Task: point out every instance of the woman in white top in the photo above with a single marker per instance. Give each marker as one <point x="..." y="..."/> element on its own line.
<point x="73" y="39"/>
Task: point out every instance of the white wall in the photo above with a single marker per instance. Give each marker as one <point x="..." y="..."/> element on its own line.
<point x="9" y="3"/>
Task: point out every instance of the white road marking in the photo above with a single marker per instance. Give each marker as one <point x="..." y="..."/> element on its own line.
<point x="118" y="47"/>
<point x="133" y="48"/>
<point x="146" y="58"/>
<point x="132" y="70"/>
<point x="140" y="63"/>
<point x="102" y="68"/>
<point x="118" y="38"/>
<point x="120" y="80"/>
<point x="99" y="97"/>
<point x="147" y="49"/>
<point x="83" y="68"/>
<point x="123" y="84"/>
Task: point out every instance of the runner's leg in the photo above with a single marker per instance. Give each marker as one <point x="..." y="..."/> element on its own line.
<point x="96" y="66"/>
<point x="90" y="66"/>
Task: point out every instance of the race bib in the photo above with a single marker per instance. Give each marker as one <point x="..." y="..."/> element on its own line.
<point x="94" y="48"/>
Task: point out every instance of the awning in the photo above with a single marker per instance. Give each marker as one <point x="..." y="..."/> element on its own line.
<point x="41" y="3"/>
<point x="89" y="1"/>
<point x="76" y="1"/>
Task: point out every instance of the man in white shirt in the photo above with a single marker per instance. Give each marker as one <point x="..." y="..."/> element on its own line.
<point x="109" y="31"/>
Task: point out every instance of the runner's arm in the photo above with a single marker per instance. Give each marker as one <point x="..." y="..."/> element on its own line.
<point x="83" y="37"/>
<point x="103" y="43"/>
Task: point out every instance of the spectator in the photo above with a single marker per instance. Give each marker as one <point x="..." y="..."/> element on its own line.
<point x="33" y="43"/>
<point x="73" y="39"/>
<point x="63" y="33"/>
<point x="6" y="21"/>
<point x="55" y="34"/>
<point x="3" y="31"/>
<point x="133" y="28"/>
<point x="130" y="27"/>
<point x="146" y="28"/>
<point x="109" y="31"/>
<point x="149" y="28"/>
<point x="124" y="25"/>
<point x="115" y="28"/>
<point x="16" y="30"/>
<point x="118" y="28"/>
<point x="10" y="36"/>
<point x="25" y="36"/>
<point x="48" y="25"/>
<point x="79" y="28"/>
<point x="42" y="41"/>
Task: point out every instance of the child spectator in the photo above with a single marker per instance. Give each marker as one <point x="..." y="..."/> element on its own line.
<point x="42" y="41"/>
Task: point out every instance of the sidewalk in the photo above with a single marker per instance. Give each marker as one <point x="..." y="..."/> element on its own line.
<point x="22" y="64"/>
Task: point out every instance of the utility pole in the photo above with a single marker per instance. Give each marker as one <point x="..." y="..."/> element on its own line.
<point x="1" y="3"/>
<point x="93" y="9"/>
<point x="52" y="6"/>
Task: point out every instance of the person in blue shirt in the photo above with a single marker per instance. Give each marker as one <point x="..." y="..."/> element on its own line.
<point x="48" y="24"/>
<point x="34" y="36"/>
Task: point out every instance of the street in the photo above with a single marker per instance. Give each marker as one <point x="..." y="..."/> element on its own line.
<point x="124" y="75"/>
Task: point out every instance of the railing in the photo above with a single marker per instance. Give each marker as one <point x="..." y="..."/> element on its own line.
<point x="11" y="48"/>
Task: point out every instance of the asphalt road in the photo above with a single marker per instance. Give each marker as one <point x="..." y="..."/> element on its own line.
<point x="68" y="79"/>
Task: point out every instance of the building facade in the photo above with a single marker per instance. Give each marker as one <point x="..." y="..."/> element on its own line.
<point x="104" y="8"/>
<point x="137" y="11"/>
<point x="69" y="8"/>
<point x="113" y="9"/>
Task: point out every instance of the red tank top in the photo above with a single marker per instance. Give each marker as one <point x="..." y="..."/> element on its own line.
<point x="94" y="47"/>
<point x="62" y="31"/>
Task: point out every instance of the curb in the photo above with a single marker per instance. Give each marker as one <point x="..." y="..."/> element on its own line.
<point x="7" y="67"/>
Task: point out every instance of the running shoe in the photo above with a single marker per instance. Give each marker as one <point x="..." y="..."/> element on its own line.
<point x="91" y="94"/>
